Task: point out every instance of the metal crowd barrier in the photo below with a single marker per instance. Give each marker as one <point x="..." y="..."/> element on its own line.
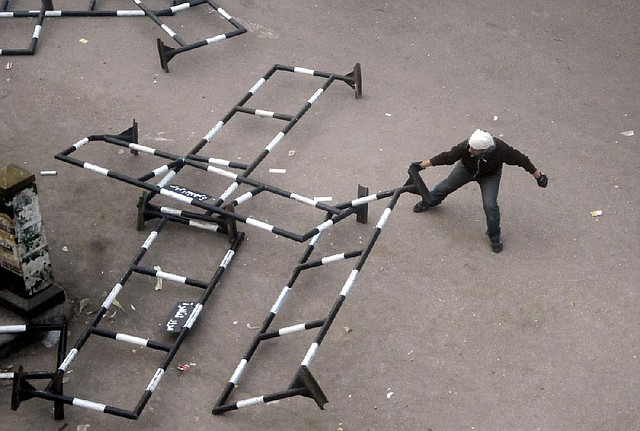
<point x="166" y="53"/>
<point x="222" y="217"/>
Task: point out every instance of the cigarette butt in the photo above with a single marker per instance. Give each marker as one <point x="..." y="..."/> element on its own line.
<point x="277" y="171"/>
<point x="48" y="173"/>
<point x="8" y="66"/>
<point x="596" y="213"/>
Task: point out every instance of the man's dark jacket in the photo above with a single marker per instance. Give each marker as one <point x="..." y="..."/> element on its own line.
<point x="487" y="163"/>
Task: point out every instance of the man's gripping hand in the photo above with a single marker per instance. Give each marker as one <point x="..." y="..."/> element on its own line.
<point x="417" y="166"/>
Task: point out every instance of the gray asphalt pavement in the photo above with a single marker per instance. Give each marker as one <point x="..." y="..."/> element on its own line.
<point x="438" y="333"/>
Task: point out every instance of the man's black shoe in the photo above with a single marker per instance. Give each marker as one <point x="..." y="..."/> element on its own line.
<point x="496" y="246"/>
<point x="421" y="207"/>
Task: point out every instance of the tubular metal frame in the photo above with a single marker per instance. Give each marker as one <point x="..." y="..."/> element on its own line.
<point x="223" y="220"/>
<point x="165" y="52"/>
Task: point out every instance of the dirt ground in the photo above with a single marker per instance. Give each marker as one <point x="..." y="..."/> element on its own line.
<point x="437" y="333"/>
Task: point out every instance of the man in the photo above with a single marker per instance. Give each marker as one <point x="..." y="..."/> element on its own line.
<point x="480" y="159"/>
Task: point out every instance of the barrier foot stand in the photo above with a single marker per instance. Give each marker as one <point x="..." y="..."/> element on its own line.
<point x="22" y="390"/>
<point x="232" y="229"/>
<point x="56" y="387"/>
<point x="304" y="380"/>
<point x="421" y="188"/>
<point x="362" y="215"/>
<point x="356" y="75"/>
<point x="166" y="54"/>
<point x="130" y="135"/>
<point x="142" y="206"/>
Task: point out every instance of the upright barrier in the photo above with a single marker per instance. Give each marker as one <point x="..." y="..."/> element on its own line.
<point x="166" y="53"/>
<point x="22" y="389"/>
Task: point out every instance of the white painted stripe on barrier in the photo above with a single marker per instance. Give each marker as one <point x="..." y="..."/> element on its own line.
<point x="280" y="300"/>
<point x="53" y="13"/>
<point x="166" y="28"/>
<point x="171" y="277"/>
<point x="6" y="15"/>
<point x="303" y="70"/>
<point x="215" y="39"/>
<point x="150" y="239"/>
<point x="232" y="188"/>
<point x="363" y="200"/>
<point x="132" y="340"/>
<point x="88" y="404"/>
<point x="95" y="168"/>
<point x="142" y="148"/>
<point x="164" y="181"/>
<point x="176" y="196"/>
<point x="334" y="258"/>
<point x="222" y="172"/>
<point x="81" y="142"/>
<point x="292" y="329"/>
<point x="36" y="31"/>
<point x="250" y="401"/>
<point x="205" y="226"/>
<point x="220" y="162"/>
<point x="315" y="96"/>
<point x="314" y="240"/>
<point x="324" y="225"/>
<point x="349" y="283"/>
<point x="384" y="218"/>
<point x="194" y="315"/>
<point x="310" y="354"/>
<point x="243" y="198"/>
<point x="6" y="375"/>
<point x="263" y="113"/>
<point x="130" y="13"/>
<point x="303" y="199"/>
<point x="322" y="198"/>
<point x="171" y="211"/>
<point x="227" y="258"/>
<point x="153" y="384"/>
<point x="224" y="13"/>
<point x="238" y="372"/>
<point x="275" y="141"/>
<point x="257" y="85"/>
<point x="161" y="170"/>
<point x="259" y="224"/>
<point x="12" y="329"/>
<point x="180" y="7"/>
<point x="68" y="359"/>
<point x="215" y="129"/>
<point x="114" y="292"/>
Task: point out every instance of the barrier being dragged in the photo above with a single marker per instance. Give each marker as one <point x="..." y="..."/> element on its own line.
<point x="221" y="215"/>
<point x="166" y="53"/>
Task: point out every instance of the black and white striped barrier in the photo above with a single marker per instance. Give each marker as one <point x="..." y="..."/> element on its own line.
<point x="168" y="171"/>
<point x="40" y="15"/>
<point x="169" y="349"/>
<point x="22" y="389"/>
<point x="166" y="53"/>
<point x="303" y="382"/>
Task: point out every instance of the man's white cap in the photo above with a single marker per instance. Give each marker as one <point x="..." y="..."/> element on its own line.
<point x="480" y="140"/>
